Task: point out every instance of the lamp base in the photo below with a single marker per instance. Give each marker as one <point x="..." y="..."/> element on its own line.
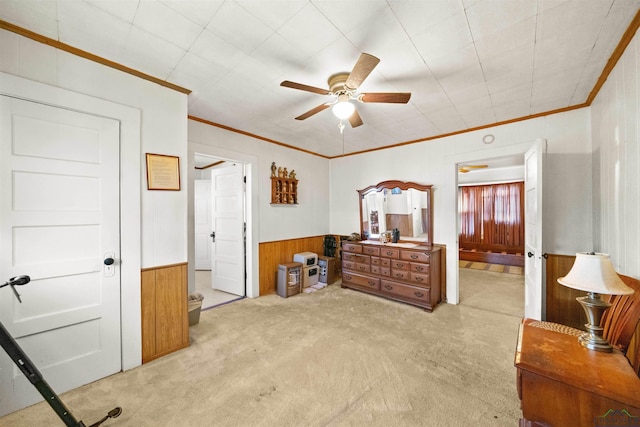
<point x="594" y="307"/>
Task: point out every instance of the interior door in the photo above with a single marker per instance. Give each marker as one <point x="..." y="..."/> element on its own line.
<point x="227" y="219"/>
<point x="533" y="231"/>
<point x="202" y="223"/>
<point x="59" y="222"/>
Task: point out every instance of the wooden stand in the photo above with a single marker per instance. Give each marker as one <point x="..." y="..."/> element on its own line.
<point x="561" y="383"/>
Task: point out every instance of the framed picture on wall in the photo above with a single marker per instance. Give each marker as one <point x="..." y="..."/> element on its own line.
<point x="163" y="172"/>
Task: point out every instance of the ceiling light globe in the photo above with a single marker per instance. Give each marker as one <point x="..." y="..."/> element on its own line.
<point x="343" y="110"/>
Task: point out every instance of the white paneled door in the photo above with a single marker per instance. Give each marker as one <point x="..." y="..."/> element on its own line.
<point x="202" y="223"/>
<point x="227" y="220"/>
<point x="533" y="231"/>
<point x="59" y="222"/>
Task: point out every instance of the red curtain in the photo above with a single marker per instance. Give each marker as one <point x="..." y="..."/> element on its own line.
<point x="492" y="214"/>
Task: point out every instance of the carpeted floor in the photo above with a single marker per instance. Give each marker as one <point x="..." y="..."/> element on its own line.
<point x="331" y="358"/>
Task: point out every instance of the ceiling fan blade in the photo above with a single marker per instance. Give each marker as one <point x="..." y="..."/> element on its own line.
<point x="300" y="86"/>
<point x="365" y="65"/>
<point x="386" y="97"/>
<point x="355" y="119"/>
<point x="313" y="111"/>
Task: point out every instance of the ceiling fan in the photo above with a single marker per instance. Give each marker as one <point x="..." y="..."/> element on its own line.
<point x="469" y="168"/>
<point x="343" y="87"/>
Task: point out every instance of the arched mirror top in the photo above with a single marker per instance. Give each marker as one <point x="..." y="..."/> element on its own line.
<point x="403" y="207"/>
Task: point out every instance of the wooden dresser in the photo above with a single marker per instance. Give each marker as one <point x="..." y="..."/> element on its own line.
<point x="399" y="271"/>
<point x="560" y="383"/>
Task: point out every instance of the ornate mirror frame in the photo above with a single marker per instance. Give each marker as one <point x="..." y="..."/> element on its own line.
<point x="372" y="217"/>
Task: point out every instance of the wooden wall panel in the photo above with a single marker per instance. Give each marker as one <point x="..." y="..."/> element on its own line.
<point x="165" y="317"/>
<point x="272" y="254"/>
<point x="562" y="306"/>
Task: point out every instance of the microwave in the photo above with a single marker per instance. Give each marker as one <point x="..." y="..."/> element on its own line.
<point x="306" y="258"/>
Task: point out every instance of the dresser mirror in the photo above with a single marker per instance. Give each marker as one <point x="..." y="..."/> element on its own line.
<point x="405" y="206"/>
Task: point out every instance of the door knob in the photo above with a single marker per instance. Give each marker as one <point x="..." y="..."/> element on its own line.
<point x="529" y="254"/>
<point x="213" y="236"/>
<point x="109" y="261"/>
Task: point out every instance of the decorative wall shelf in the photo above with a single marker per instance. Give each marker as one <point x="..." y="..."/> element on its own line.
<point x="284" y="186"/>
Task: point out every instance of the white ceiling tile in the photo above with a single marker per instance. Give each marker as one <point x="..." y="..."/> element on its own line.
<point x="511" y="39"/>
<point x="198" y="11"/>
<point x="368" y="38"/>
<point x="352" y="14"/>
<point x="489" y="16"/>
<point x="35" y="15"/>
<point x="420" y="16"/>
<point x="309" y="31"/>
<point x="238" y="27"/>
<point x="441" y="39"/>
<point x="216" y="50"/>
<point x="167" y="24"/>
<point x="123" y="9"/>
<point x="274" y="14"/>
<point x="150" y="54"/>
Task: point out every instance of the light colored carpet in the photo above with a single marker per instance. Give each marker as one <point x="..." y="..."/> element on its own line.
<point x="331" y="358"/>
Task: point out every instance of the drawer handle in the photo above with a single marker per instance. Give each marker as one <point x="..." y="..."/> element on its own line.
<point x="419" y="294"/>
<point x="419" y="279"/>
<point x="389" y="253"/>
<point x="419" y="268"/>
<point x="414" y="256"/>
<point x="372" y="284"/>
<point x="399" y="274"/>
<point x="362" y="268"/>
<point x="399" y="265"/>
<point x="388" y="287"/>
<point x="348" y="277"/>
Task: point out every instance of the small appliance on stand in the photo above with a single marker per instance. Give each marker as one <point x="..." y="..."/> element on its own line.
<point x="327" y="269"/>
<point x="289" y="279"/>
<point x="310" y="269"/>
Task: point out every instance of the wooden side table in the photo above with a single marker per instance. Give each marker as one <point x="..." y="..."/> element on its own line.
<point x="560" y="383"/>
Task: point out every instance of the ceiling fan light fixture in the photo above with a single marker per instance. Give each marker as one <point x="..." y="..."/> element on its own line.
<point x="343" y="109"/>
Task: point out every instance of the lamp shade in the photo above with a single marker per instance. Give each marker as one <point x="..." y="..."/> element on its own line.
<point x="343" y="109"/>
<point x="593" y="272"/>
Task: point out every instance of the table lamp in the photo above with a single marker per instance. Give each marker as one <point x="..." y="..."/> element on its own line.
<point x="594" y="274"/>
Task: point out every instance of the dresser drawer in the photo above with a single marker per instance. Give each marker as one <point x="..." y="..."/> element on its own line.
<point x="415" y="256"/>
<point x="400" y="274"/>
<point x="381" y="271"/>
<point x="400" y="265"/>
<point x="419" y="268"/>
<point x="360" y="281"/>
<point x="352" y="247"/>
<point x="348" y="265"/>
<point x="362" y="259"/>
<point x="420" y="279"/>
<point x="371" y="250"/>
<point x="348" y="256"/>
<point x="406" y="291"/>
<point x="363" y="268"/>
<point x="390" y="252"/>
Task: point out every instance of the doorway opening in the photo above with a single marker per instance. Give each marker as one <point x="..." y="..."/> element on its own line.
<point x="219" y="218"/>
<point x="490" y="234"/>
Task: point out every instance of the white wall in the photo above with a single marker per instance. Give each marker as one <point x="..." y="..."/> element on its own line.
<point x="567" y="201"/>
<point x="311" y="216"/>
<point x="162" y="129"/>
<point x="615" y="115"/>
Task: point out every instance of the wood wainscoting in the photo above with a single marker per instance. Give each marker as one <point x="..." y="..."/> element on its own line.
<point x="165" y="317"/>
<point x="272" y="254"/>
<point x="562" y="306"/>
